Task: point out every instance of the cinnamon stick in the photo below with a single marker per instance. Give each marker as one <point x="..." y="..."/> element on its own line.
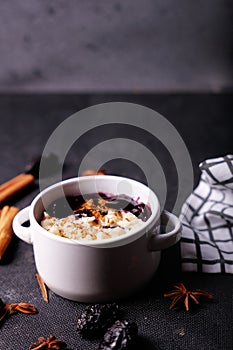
<point x="6" y="231"/>
<point x="93" y="172"/>
<point x="14" y="185"/>
<point x="43" y="287"/>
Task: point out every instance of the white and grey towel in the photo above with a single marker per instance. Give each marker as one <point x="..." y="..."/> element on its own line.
<point x="207" y="218"/>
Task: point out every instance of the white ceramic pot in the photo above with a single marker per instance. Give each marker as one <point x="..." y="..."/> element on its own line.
<point x="97" y="270"/>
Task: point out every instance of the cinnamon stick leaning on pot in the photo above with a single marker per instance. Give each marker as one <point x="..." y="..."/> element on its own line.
<point x="90" y="172"/>
<point x="23" y="180"/>
<point x="11" y="187"/>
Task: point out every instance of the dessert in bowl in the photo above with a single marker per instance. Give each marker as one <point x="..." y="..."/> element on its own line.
<point x="96" y="238"/>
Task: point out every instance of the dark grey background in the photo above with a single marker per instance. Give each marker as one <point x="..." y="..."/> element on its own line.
<point x="150" y="45"/>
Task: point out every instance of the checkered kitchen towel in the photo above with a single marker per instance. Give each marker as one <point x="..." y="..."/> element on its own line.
<point x="207" y="217"/>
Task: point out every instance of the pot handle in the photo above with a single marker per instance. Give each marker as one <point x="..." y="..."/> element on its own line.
<point x="22" y="232"/>
<point x="161" y="240"/>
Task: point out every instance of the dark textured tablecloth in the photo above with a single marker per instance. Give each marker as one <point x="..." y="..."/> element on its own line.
<point x="205" y="124"/>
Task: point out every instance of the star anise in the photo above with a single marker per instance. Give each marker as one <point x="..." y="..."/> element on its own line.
<point x="181" y="295"/>
<point x="50" y="343"/>
<point x="9" y="309"/>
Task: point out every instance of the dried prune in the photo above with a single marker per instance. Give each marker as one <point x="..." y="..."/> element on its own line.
<point x="121" y="336"/>
<point x="97" y="318"/>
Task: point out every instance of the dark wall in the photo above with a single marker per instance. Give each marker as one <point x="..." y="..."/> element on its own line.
<point x="149" y="45"/>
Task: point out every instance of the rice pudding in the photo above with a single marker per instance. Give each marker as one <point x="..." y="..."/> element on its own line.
<point x="99" y="216"/>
